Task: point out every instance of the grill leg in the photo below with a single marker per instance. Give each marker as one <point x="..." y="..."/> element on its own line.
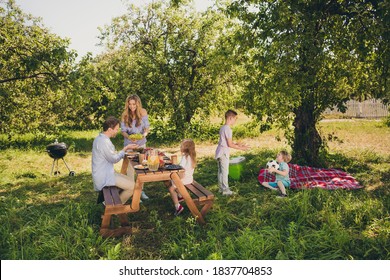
<point x="65" y="164"/>
<point x="52" y="167"/>
<point x="56" y="172"/>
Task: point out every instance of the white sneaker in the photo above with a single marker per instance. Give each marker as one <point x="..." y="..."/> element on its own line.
<point x="228" y="192"/>
<point x="144" y="196"/>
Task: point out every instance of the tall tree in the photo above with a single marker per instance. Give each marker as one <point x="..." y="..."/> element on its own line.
<point x="34" y="66"/>
<point x="181" y="58"/>
<point x="306" y="56"/>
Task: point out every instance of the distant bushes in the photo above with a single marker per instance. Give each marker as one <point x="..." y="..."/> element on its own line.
<point x="201" y="130"/>
<point x="387" y="121"/>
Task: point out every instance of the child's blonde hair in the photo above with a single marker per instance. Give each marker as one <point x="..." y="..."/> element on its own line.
<point x="187" y="148"/>
<point x="286" y="156"/>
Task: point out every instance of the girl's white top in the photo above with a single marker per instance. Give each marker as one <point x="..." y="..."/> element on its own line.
<point x="186" y="163"/>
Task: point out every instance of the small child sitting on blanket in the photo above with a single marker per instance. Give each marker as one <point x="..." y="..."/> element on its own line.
<point x="282" y="180"/>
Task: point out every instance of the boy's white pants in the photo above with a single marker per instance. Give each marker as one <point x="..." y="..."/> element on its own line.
<point x="223" y="172"/>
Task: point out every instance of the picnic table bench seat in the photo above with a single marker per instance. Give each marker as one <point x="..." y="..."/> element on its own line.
<point x="113" y="206"/>
<point x="202" y="197"/>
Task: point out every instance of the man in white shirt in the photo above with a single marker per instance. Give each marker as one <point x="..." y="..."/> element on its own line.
<point x="103" y="158"/>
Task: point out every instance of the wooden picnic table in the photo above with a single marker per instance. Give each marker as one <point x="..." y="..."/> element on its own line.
<point x="145" y="176"/>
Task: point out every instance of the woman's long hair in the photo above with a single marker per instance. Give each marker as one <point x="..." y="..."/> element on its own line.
<point x="187" y="147"/>
<point x="127" y="116"/>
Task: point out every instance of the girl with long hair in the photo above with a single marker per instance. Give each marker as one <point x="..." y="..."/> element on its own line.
<point x="188" y="162"/>
<point x="134" y="121"/>
<point x="135" y="124"/>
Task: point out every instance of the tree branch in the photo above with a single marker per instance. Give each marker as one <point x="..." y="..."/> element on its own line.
<point x="37" y="75"/>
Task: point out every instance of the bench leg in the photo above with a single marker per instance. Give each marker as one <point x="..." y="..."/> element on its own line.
<point x="190" y="203"/>
<point x="206" y="208"/>
<point x="106" y="221"/>
<point x="117" y="232"/>
<point x="124" y="219"/>
<point x="107" y="231"/>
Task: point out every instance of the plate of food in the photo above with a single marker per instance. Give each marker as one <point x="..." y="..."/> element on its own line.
<point x="173" y="167"/>
<point x="135" y="136"/>
<point x="132" y="154"/>
<point x="140" y="167"/>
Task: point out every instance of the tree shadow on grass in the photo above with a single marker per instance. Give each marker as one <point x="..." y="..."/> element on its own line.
<point x="30" y="206"/>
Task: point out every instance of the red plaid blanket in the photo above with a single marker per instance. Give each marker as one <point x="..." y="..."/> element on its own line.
<point x="304" y="177"/>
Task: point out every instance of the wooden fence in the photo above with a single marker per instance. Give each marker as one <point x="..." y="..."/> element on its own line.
<point x="371" y="108"/>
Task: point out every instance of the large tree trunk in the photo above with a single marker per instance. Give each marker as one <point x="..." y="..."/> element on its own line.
<point x="307" y="140"/>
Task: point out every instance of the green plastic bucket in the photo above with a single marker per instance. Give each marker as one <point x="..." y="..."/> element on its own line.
<point x="235" y="167"/>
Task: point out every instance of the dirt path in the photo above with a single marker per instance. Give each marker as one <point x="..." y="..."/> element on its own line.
<point x="207" y="149"/>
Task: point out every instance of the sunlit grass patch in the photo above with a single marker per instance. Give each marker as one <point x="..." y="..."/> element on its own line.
<point x="56" y="217"/>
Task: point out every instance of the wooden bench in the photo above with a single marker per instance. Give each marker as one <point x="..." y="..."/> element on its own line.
<point x="113" y="207"/>
<point x="201" y="196"/>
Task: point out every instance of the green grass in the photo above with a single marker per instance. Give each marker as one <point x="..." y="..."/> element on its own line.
<point x="45" y="217"/>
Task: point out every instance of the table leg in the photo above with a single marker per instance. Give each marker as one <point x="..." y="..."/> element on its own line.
<point x="187" y="198"/>
<point x="125" y="164"/>
<point x="137" y="194"/>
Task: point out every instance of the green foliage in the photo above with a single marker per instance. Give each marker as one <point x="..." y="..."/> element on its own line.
<point x="199" y="129"/>
<point x="33" y="74"/>
<point x="39" y="140"/>
<point x="49" y="232"/>
<point x="304" y="57"/>
<point x="174" y="59"/>
<point x="387" y="121"/>
<point x="113" y="253"/>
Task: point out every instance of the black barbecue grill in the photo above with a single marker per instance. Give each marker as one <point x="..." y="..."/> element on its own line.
<point x="58" y="151"/>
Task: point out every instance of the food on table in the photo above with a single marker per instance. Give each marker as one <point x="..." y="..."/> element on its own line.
<point x="139" y="166"/>
<point x="135" y="137"/>
<point x="131" y="154"/>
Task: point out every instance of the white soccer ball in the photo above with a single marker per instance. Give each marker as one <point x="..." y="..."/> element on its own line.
<point x="272" y="163"/>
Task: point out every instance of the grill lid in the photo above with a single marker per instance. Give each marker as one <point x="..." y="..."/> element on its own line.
<point x="57" y="150"/>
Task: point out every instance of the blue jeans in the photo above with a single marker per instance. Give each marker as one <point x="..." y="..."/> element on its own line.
<point x="275" y="184"/>
<point x="223" y="173"/>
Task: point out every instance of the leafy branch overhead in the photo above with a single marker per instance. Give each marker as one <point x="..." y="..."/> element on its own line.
<point x="283" y="62"/>
<point x="34" y="68"/>
<point x="180" y="68"/>
<point x="307" y="56"/>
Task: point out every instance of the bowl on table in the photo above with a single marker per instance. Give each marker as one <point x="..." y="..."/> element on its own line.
<point x="132" y="154"/>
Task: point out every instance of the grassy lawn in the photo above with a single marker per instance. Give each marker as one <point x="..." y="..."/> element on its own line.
<point x="47" y="217"/>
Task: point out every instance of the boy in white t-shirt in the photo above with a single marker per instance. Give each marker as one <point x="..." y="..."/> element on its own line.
<point x="222" y="153"/>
